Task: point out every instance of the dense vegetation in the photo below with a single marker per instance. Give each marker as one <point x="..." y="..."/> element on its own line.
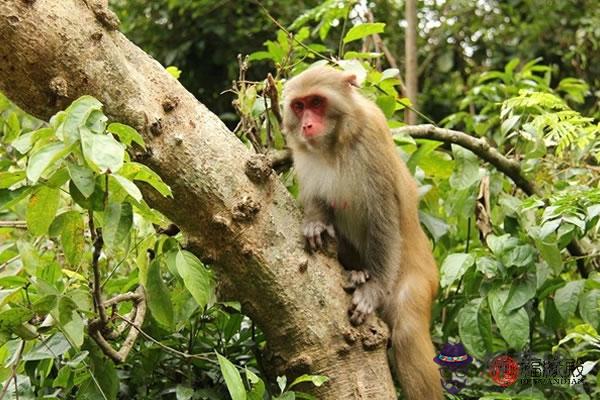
<point x="520" y="74"/>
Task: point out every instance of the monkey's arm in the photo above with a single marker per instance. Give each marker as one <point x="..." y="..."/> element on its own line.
<point x="317" y="220"/>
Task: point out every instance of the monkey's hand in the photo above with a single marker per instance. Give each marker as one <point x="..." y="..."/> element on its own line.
<point x="355" y="279"/>
<point x="313" y="231"/>
<point x="365" y="301"/>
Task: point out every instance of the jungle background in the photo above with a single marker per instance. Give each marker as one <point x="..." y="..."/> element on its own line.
<point x="518" y="260"/>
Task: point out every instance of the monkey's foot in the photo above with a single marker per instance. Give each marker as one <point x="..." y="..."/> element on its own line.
<point x="313" y="232"/>
<point x="365" y="301"/>
<point x="355" y="279"/>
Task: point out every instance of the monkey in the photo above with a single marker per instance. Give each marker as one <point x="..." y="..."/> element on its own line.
<point x="355" y="188"/>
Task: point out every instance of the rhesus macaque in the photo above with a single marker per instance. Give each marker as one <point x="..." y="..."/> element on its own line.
<point x="354" y="186"/>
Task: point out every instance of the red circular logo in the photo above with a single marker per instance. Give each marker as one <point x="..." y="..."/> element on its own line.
<point x="504" y="370"/>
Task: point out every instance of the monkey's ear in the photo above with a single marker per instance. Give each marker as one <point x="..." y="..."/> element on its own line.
<point x="351" y="80"/>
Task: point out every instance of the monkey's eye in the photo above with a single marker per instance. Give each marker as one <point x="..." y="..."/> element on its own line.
<point x="298" y="106"/>
<point x="316" y="102"/>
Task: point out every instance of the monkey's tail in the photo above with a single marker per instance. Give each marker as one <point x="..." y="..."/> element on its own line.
<point x="412" y="347"/>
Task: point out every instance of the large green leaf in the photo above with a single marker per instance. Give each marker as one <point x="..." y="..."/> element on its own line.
<point x="195" y="276"/>
<point x="159" y="300"/>
<point x="232" y="377"/>
<point x="55" y="346"/>
<point x="70" y="226"/>
<point x="43" y="158"/>
<point x="128" y="186"/>
<point x="118" y="220"/>
<point x="454" y="267"/>
<point x="126" y="134"/>
<point x="7" y="179"/>
<point x="466" y="170"/>
<point x="473" y="334"/>
<point x="139" y="172"/>
<point x="514" y="325"/>
<point x="521" y="291"/>
<point x="589" y="307"/>
<point x="83" y="178"/>
<point x="102" y="152"/>
<point x="358" y="32"/>
<point x="41" y="210"/>
<point x="25" y="142"/>
<point x="567" y="297"/>
<point x="76" y="116"/>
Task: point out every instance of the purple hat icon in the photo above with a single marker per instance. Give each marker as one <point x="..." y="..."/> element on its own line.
<point x="453" y="356"/>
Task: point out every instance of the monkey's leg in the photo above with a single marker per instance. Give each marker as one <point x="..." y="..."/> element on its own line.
<point x="350" y="260"/>
<point x="408" y="315"/>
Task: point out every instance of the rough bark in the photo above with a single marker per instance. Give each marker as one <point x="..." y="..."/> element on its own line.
<point x="52" y="52"/>
<point x="410" y="53"/>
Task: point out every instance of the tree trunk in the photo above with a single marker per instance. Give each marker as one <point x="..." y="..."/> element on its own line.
<point x="52" y="52"/>
<point x="410" y="53"/>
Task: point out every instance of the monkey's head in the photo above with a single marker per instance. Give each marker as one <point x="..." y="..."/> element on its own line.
<point x="315" y="104"/>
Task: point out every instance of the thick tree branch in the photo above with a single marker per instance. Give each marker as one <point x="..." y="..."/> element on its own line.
<point x="53" y="52"/>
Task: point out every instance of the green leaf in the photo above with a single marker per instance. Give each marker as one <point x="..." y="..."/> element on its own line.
<point x="105" y="382"/>
<point x="360" y="31"/>
<point x="126" y="134"/>
<point x="55" y="346"/>
<point x="521" y="291"/>
<point x="76" y="116"/>
<point x="41" y="210"/>
<point x="196" y="277"/>
<point x="128" y="186"/>
<point x="469" y="327"/>
<point x="25" y="142"/>
<point x="514" y="325"/>
<point x="589" y="307"/>
<point x="567" y="297"/>
<point x="72" y="236"/>
<point x="83" y="178"/>
<point x="454" y="267"/>
<point x="118" y="220"/>
<point x="159" y="300"/>
<point x="43" y="158"/>
<point x="139" y="172"/>
<point x="232" y="377"/>
<point x="316" y="380"/>
<point x="466" y="169"/>
<point x="71" y="321"/>
<point x="8" y="295"/>
<point x="102" y="152"/>
<point x="95" y="202"/>
<point x="173" y="71"/>
<point x="9" y="198"/>
<point x="7" y="179"/>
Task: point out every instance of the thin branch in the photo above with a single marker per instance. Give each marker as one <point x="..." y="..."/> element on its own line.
<point x="164" y="346"/>
<point x="480" y="147"/>
<point x="13" y="224"/>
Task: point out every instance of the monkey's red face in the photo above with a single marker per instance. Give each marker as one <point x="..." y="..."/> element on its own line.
<point x="310" y="111"/>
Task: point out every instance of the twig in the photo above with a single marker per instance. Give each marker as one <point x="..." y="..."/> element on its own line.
<point x="164" y="346"/>
<point x="98" y="242"/>
<point x="97" y="327"/>
<point x="13" y="224"/>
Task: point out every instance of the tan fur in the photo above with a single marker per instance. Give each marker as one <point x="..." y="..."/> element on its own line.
<point x="352" y="178"/>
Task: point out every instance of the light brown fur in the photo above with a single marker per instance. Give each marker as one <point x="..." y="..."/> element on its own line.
<point x="352" y="179"/>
